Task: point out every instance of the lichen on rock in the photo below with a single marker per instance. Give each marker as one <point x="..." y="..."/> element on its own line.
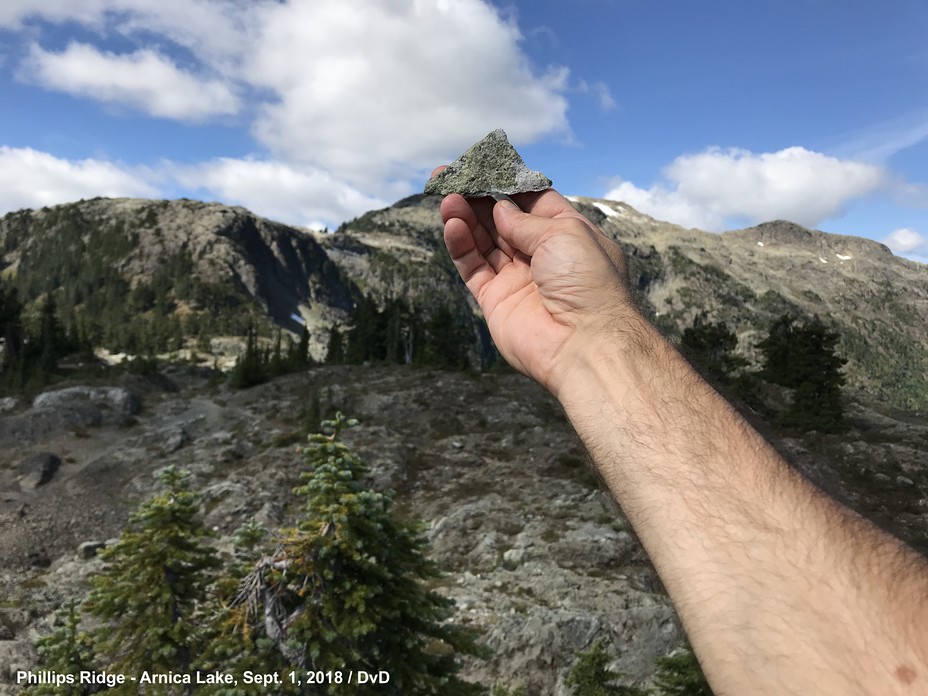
<point x="490" y="167"/>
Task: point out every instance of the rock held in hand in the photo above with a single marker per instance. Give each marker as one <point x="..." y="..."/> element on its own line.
<point x="490" y="167"/>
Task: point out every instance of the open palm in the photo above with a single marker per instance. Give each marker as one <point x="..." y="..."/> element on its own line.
<point x="546" y="279"/>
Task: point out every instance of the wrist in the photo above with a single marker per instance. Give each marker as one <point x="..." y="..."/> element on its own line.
<point x="607" y="357"/>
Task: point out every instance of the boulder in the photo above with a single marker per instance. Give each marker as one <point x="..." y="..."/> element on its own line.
<point x="38" y="469"/>
<point x="91" y="405"/>
<point x="89" y="549"/>
<point x="8" y="403"/>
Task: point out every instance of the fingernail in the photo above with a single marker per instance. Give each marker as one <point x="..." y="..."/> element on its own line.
<point x="505" y="201"/>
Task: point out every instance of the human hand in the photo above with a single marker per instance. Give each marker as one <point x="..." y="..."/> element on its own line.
<point x="550" y="284"/>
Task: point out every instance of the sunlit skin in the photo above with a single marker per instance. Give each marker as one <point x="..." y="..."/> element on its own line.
<point x="530" y="282"/>
<point x="781" y="589"/>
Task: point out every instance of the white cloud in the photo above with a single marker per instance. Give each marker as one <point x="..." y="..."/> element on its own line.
<point x="295" y="195"/>
<point x="143" y="80"/>
<point x="14" y="13"/>
<point x="713" y="188"/>
<point x="213" y="28"/>
<point x="301" y="196"/>
<point x="665" y="204"/>
<point x="32" y="179"/>
<point x="906" y="241"/>
<point x="375" y="90"/>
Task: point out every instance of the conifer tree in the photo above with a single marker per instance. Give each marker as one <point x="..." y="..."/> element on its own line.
<point x="11" y="331"/>
<point x="448" y="340"/>
<point x="679" y="674"/>
<point x="250" y="369"/>
<point x="803" y="357"/>
<point x="299" y="357"/>
<point x="346" y="588"/>
<point x="335" y="350"/>
<point x="400" y="332"/>
<point x="367" y="336"/>
<point x="778" y="352"/>
<point x="236" y="639"/>
<point x="66" y="650"/>
<point x="51" y="344"/>
<point x="150" y="592"/>
<point x="277" y="365"/>
<point x="591" y="676"/>
<point x="711" y="347"/>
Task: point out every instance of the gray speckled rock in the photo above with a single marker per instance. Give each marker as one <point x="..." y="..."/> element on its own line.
<point x="489" y="167"/>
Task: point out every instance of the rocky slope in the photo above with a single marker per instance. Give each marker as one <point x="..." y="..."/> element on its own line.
<point x="536" y="557"/>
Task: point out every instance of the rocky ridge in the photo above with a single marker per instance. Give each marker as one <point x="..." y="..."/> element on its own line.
<point x="877" y="302"/>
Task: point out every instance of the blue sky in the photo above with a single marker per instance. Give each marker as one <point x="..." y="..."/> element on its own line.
<point x="716" y="115"/>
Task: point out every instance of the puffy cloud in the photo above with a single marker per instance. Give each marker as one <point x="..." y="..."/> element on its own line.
<point x="666" y="204"/>
<point x="143" y="80"/>
<point x="374" y="90"/>
<point x="907" y="242"/>
<point x="715" y="187"/>
<point x="295" y="195"/>
<point x="213" y="28"/>
<point x="32" y="179"/>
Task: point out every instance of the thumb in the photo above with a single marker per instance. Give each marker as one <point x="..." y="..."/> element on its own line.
<point x="521" y="230"/>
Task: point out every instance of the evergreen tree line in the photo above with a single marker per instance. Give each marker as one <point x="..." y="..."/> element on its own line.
<point x="257" y="365"/>
<point x="401" y="334"/>
<point x="30" y="351"/>
<point x="79" y="263"/>
<point x="799" y="355"/>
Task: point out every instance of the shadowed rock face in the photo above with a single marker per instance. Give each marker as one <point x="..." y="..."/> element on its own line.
<point x="489" y="167"/>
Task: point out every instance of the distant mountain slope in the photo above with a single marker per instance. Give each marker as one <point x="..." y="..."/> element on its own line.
<point x="877" y="301"/>
<point x="179" y="259"/>
<point x="199" y="263"/>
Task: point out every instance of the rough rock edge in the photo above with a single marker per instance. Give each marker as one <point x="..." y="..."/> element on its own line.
<point x="490" y="167"/>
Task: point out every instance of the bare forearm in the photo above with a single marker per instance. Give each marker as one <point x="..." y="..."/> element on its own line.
<point x="781" y="589"/>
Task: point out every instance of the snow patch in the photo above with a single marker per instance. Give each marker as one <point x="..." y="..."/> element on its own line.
<point x="609" y="212"/>
<point x="760" y="244"/>
<point x="843" y="257"/>
<point x="822" y="260"/>
<point x="572" y="199"/>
